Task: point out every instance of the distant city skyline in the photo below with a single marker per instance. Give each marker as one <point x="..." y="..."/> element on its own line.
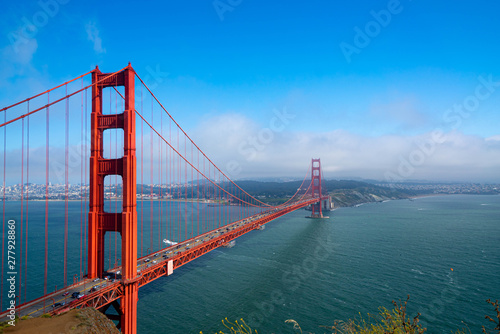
<point x="384" y="90"/>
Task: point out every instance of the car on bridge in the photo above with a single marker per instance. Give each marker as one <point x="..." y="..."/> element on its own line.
<point x="58" y="304"/>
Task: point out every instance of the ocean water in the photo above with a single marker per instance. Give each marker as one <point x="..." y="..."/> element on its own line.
<point x="317" y="271"/>
<point x="312" y="271"/>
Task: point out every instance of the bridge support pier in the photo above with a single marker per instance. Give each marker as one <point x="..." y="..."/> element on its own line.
<point x="129" y="309"/>
<point x="125" y="222"/>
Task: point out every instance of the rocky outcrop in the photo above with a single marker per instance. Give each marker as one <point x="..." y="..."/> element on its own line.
<point x="78" y="321"/>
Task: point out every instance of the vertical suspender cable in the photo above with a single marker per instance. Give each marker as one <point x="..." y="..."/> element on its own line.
<point x="66" y="144"/>
<point x="185" y="189"/>
<point x="115" y="154"/>
<point x="46" y="199"/>
<point x="142" y="174"/>
<point x="3" y="202"/>
<point x="216" y="196"/>
<point x="217" y="181"/>
<point x="221" y="207"/>
<point x="223" y="203"/>
<point x="82" y="212"/>
<point x="22" y="213"/>
<point x="27" y="199"/>
<point x="216" y="218"/>
<point x="116" y="178"/>
<point x="110" y="182"/>
<point x="198" y="195"/>
<point x="209" y="216"/>
<point x="178" y="182"/>
<point x="85" y="183"/>
<point x="151" y="180"/>
<point x="160" y="202"/>
<point x="171" y="182"/>
<point x="167" y="191"/>
<point x="205" y="217"/>
<point x="192" y="193"/>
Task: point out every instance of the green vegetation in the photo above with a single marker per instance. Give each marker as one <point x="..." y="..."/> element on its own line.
<point x="496" y="305"/>
<point x="394" y="321"/>
<point x="4" y="325"/>
<point x="236" y="328"/>
<point x="387" y="321"/>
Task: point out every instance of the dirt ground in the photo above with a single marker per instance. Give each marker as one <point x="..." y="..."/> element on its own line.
<point x="82" y="321"/>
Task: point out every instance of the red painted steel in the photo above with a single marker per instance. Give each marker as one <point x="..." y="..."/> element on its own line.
<point x="177" y="172"/>
<point x="115" y="291"/>
<point x="316" y="187"/>
<point x="125" y="222"/>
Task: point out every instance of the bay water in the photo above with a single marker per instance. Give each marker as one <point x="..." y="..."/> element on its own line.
<point x="443" y="251"/>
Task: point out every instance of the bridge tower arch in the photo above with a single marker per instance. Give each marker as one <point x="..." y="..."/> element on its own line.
<point x="124" y="222"/>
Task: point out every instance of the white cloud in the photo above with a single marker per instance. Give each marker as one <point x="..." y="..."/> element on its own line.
<point x="16" y="60"/>
<point x="343" y="154"/>
<point x="227" y="139"/>
<point x="93" y="35"/>
<point x="21" y="51"/>
<point x="18" y="77"/>
<point x="493" y="138"/>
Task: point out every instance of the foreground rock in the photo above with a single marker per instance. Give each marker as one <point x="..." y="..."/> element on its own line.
<point x="78" y="321"/>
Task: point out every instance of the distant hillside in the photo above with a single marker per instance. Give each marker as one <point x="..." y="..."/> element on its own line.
<point x="343" y="192"/>
<point x="349" y="193"/>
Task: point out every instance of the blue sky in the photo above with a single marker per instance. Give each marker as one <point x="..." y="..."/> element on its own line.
<point x="225" y="68"/>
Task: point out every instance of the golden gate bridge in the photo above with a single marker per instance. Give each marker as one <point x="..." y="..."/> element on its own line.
<point x="90" y="131"/>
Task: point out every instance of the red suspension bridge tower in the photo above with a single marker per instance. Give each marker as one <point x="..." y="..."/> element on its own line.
<point x="125" y="223"/>
<point x="316" y="188"/>
<point x="184" y="167"/>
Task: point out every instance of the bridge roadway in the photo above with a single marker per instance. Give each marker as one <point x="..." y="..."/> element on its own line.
<point x="98" y="293"/>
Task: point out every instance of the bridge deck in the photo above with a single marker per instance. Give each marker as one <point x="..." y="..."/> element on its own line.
<point x="101" y="292"/>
